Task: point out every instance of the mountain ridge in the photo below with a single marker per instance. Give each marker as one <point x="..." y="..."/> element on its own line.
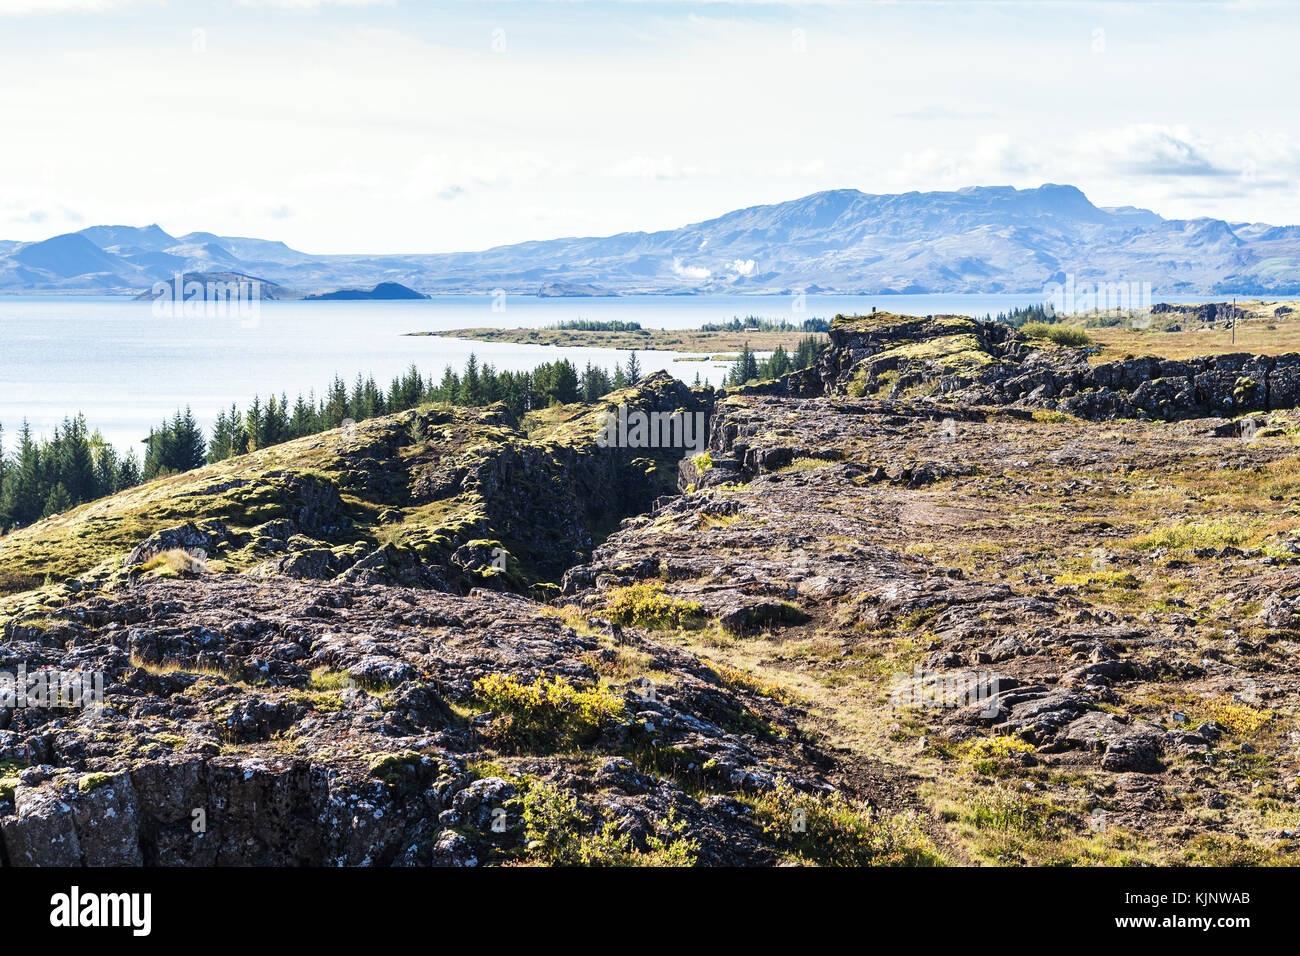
<point x="977" y="239"/>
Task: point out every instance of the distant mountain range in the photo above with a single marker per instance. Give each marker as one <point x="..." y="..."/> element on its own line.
<point x="980" y="239"/>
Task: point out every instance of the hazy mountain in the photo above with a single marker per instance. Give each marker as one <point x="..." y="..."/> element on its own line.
<point x="980" y="239"/>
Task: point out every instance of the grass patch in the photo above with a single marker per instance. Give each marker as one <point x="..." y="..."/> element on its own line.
<point x="830" y="830"/>
<point x="710" y="520"/>
<point x="1241" y="719"/>
<point x="14" y="582"/>
<point x="737" y="679"/>
<point x="176" y="563"/>
<point x="1219" y="533"/>
<point x="1009" y="811"/>
<point x="326" y="679"/>
<point x="805" y="464"/>
<point x="1098" y="579"/>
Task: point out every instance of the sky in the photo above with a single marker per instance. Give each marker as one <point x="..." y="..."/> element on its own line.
<point x="404" y="126"/>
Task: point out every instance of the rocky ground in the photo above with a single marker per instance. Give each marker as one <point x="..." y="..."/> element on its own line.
<point x="954" y="596"/>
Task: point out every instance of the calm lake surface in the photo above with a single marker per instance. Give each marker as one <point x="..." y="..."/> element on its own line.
<point x="127" y="369"/>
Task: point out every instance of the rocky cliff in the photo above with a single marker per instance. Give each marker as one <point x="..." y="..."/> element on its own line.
<point x="959" y="360"/>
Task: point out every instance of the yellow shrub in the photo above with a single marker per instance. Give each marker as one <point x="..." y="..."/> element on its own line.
<point x="646" y="605"/>
<point x="1192" y="534"/>
<point x="547" y="713"/>
<point x="996" y="747"/>
<point x="1239" y="717"/>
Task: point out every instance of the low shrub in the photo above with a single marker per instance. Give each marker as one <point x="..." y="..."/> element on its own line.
<point x="547" y="714"/>
<point x="1057" y="333"/>
<point x="647" y="605"/>
<point x="554" y="830"/>
<point x="830" y="829"/>
<point x="1006" y="809"/>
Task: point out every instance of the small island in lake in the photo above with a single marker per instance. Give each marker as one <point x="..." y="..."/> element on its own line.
<point x="384" y="290"/>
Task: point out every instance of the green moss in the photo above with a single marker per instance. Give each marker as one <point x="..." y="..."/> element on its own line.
<point x="9" y="781"/>
<point x="948" y="352"/>
<point x="94" y="781"/>
<point x="949" y="324"/>
<point x="407" y="768"/>
<point x="884" y="383"/>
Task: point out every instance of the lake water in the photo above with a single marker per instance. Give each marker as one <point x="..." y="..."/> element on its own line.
<point x="127" y="369"/>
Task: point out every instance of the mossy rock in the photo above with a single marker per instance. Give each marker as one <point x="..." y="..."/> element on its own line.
<point x="407" y="770"/>
<point x="94" y="781"/>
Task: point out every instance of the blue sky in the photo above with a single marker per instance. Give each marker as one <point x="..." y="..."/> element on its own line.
<point x="437" y="126"/>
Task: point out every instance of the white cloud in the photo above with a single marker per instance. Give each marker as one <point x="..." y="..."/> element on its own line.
<point x="995" y="159"/>
<point x="1150" y="149"/>
<point x="1261" y="159"/>
<point x="690" y="272"/>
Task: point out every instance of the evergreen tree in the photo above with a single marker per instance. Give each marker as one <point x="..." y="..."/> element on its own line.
<point x="108" y="468"/>
<point x="471" y="386"/>
<point x="191" y="448"/>
<point x="128" y="471"/>
<point x="561" y="383"/>
<point x="449" y="387"/>
<point x="595" y="383"/>
<point x="335" y="405"/>
<point x="58" y="501"/>
<point x="24" y="501"/>
<point x="745" y="368"/>
<point x="4" y="522"/>
<point x="303" y="421"/>
<point x="177" y="445"/>
<point x="159" y="450"/>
